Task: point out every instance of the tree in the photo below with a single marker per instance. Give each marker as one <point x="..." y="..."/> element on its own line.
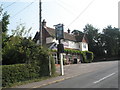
<point x="21" y="31"/>
<point x="111" y="40"/>
<point x="16" y="49"/>
<point x="5" y="22"/>
<point x="94" y="38"/>
<point x="78" y="34"/>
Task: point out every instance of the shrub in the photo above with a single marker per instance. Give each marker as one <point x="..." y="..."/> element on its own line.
<point x="18" y="72"/>
<point x="23" y="72"/>
<point x="87" y="56"/>
<point x="11" y="57"/>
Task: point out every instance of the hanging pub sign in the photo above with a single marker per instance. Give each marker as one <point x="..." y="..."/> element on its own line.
<point x="59" y="32"/>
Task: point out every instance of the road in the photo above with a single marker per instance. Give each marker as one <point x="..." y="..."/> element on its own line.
<point x="106" y="77"/>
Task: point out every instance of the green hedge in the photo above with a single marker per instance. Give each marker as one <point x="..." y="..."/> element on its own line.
<point x="23" y="72"/>
<point x="87" y="56"/>
<point x="70" y="51"/>
<point x="17" y="73"/>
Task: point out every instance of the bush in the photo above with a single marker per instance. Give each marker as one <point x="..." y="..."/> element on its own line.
<point x="11" y="57"/>
<point x="23" y="72"/>
<point x="18" y="72"/>
<point x="87" y="56"/>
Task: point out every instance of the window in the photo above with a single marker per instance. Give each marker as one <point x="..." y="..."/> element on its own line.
<point x="84" y="45"/>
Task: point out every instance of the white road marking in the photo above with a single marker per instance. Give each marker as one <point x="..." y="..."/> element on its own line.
<point x="104" y="78"/>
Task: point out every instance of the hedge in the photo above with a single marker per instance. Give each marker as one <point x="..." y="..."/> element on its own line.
<point x="87" y="56"/>
<point x="18" y="72"/>
<point x="70" y="51"/>
<point x="23" y="72"/>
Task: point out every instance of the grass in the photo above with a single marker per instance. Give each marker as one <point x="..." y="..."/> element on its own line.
<point x="33" y="80"/>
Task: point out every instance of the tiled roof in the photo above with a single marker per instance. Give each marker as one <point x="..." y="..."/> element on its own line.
<point x="67" y="36"/>
<point x="51" y="31"/>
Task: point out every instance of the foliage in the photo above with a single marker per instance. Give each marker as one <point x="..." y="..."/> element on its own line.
<point x="108" y="40"/>
<point x="4" y="26"/>
<point x="111" y="40"/>
<point x="38" y="67"/>
<point x="21" y="31"/>
<point x="87" y="56"/>
<point x="72" y="51"/>
<point x="5" y="22"/>
<point x="77" y="32"/>
<point x="92" y="35"/>
<point x="14" y="48"/>
<point x="78" y="35"/>
<point x="10" y="51"/>
<point x="18" y="46"/>
<point x="20" y="49"/>
<point x="18" y="73"/>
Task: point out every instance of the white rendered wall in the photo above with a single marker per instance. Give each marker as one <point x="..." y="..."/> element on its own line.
<point x="84" y="46"/>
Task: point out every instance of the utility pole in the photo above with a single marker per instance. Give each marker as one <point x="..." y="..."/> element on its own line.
<point x="119" y="15"/>
<point x="40" y="24"/>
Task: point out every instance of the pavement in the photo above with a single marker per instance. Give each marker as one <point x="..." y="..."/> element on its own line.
<point x="71" y="71"/>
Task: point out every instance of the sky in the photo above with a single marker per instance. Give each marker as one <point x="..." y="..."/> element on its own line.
<point x="74" y="14"/>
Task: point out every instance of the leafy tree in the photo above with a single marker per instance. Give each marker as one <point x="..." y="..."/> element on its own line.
<point x="111" y="40"/>
<point x="11" y="54"/>
<point x="78" y="34"/>
<point x="105" y="43"/>
<point x="94" y="39"/>
<point x="4" y="26"/>
<point x="18" y="45"/>
<point x="21" y="31"/>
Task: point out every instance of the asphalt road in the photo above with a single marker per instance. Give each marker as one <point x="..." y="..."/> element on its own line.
<point x="106" y="77"/>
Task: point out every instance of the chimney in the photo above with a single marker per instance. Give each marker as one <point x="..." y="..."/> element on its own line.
<point x="44" y="23"/>
<point x="68" y="30"/>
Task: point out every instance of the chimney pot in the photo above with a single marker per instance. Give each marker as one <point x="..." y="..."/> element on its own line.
<point x="68" y="30"/>
<point x="44" y="23"/>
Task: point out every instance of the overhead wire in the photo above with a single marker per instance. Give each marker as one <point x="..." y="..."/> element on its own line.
<point x="68" y="5"/>
<point x="22" y="9"/>
<point x="62" y="6"/>
<point x="9" y="5"/>
<point x="81" y="13"/>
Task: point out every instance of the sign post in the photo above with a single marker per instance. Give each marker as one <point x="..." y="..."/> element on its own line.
<point x="60" y="35"/>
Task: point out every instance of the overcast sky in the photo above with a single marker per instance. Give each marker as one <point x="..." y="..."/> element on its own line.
<point x="74" y="14"/>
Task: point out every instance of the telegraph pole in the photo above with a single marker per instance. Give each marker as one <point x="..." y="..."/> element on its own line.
<point x="40" y="24"/>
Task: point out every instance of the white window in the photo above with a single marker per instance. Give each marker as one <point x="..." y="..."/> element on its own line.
<point x="84" y="45"/>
